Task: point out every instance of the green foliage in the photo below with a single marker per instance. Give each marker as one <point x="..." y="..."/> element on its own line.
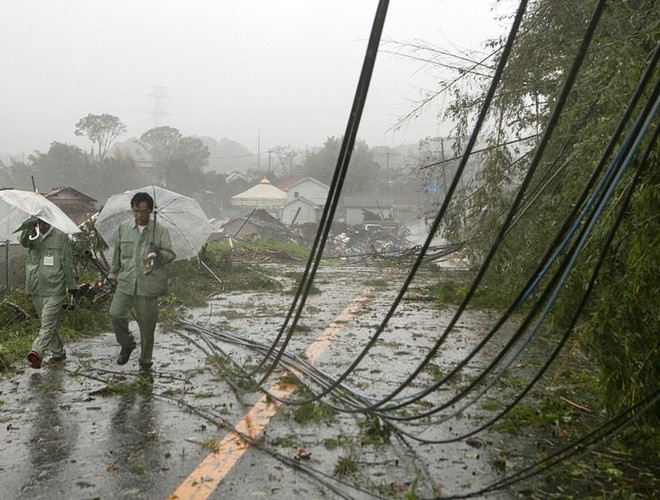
<point x="17" y="332"/>
<point x="178" y="159"/>
<point x="375" y="431"/>
<point x="191" y="283"/>
<point x="224" y="367"/>
<point x="15" y="342"/>
<point x="453" y="291"/>
<point x="117" y="173"/>
<point x="622" y="330"/>
<point x="646" y="436"/>
<point x="521" y="415"/>
<point x="346" y="466"/>
<point x="284" y="442"/>
<point x="360" y="179"/>
<point x="332" y="443"/>
<point x="314" y="412"/>
<point x="138" y="384"/>
<point x="491" y="405"/>
<point x="84" y="321"/>
<point x="620" y="327"/>
<point x="161" y="142"/>
<point x="64" y="161"/>
<point x="448" y="292"/>
<point x="245" y="250"/>
<point x="102" y="130"/>
<point x="498" y="465"/>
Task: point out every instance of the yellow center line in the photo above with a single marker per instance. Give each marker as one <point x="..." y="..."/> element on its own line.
<point x="210" y="472"/>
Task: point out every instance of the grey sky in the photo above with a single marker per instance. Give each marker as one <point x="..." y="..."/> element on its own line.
<point x="275" y="71"/>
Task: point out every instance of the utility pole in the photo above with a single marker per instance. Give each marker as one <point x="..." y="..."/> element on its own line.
<point x="258" y="152"/>
<point x="269" y="153"/>
<point x="387" y="156"/>
<point x="444" y="168"/>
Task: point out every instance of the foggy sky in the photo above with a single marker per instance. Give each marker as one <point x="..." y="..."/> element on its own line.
<point x="260" y="72"/>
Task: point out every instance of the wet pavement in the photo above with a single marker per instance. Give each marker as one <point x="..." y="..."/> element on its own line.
<point x="92" y="429"/>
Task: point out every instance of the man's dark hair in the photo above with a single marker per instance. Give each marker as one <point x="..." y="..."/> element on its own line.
<point x="140" y="197"/>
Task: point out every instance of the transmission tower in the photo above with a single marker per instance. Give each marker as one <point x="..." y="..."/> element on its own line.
<point x="158" y="112"/>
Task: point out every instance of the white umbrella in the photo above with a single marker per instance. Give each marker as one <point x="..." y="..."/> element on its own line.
<point x="17" y="206"/>
<point x="185" y="220"/>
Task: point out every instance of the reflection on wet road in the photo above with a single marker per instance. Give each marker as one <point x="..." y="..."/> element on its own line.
<point x="52" y="435"/>
<point x="133" y="442"/>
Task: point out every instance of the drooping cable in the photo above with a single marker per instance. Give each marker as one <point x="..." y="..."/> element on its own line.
<point x="482" y="117"/>
<point x="334" y="193"/>
<point x="561" y="276"/>
<point x="578" y="312"/>
<point x="552" y="122"/>
<point x="617" y="167"/>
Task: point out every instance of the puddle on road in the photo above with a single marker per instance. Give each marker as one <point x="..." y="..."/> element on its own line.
<point x="95" y="430"/>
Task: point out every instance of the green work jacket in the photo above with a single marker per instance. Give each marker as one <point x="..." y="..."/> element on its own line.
<point x="128" y="259"/>
<point x="49" y="267"/>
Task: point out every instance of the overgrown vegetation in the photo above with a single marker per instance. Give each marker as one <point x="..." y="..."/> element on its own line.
<point x="453" y="287"/>
<point x="19" y="324"/>
<point x="563" y="411"/>
<point x="619" y="327"/>
<point x="254" y="251"/>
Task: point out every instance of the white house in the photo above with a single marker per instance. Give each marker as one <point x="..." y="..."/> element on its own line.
<point x="306" y="198"/>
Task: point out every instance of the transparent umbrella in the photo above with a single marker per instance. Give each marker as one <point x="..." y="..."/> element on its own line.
<point x="17" y="206"/>
<point x="185" y="220"/>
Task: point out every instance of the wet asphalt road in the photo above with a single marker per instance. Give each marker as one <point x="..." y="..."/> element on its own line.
<point x="92" y="429"/>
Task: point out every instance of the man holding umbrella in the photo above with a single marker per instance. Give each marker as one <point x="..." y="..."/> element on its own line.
<point x="48" y="275"/>
<point x="142" y="252"/>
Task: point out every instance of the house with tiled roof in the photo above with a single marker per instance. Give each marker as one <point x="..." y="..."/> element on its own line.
<point x="78" y="206"/>
<point x="306" y="198"/>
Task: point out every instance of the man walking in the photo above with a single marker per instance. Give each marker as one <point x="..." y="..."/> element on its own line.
<point x="48" y="276"/>
<point x="142" y="253"/>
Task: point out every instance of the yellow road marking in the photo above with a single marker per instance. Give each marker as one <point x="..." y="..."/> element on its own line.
<point x="208" y="475"/>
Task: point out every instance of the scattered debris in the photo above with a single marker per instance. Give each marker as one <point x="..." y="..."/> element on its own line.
<point x="18" y="309"/>
<point x="385" y="240"/>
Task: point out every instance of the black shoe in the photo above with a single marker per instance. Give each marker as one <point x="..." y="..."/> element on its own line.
<point x="145" y="367"/>
<point x="124" y="355"/>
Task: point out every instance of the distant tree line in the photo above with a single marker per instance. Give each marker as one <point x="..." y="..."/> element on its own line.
<point x="165" y="157"/>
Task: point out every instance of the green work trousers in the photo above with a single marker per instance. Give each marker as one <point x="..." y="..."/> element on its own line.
<point x="49" y="308"/>
<point x="145" y="310"/>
